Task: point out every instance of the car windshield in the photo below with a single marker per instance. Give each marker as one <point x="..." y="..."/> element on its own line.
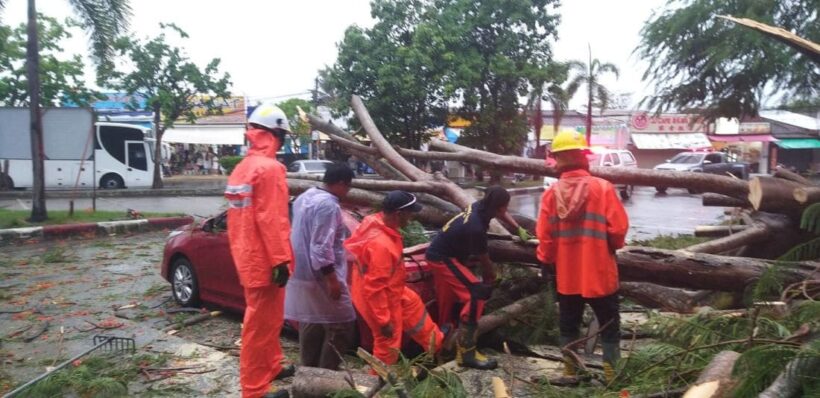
<point x="316" y="166"/>
<point x="686" y="158"/>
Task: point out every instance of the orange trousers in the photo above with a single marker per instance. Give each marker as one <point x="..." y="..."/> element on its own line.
<point x="417" y="323"/>
<point x="260" y="358"/>
<point x="453" y="282"/>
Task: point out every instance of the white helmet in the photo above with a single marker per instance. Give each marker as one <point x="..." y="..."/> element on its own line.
<point x="270" y="116"/>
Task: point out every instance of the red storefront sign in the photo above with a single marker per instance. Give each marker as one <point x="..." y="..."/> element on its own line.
<point x="673" y="123"/>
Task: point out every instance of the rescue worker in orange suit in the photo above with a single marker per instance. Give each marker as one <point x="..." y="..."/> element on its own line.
<point x="259" y="236"/>
<point x="378" y="279"/>
<point x="580" y="225"/>
<point x="462" y="238"/>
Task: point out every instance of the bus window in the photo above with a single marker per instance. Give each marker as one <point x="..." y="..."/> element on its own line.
<point x="136" y="156"/>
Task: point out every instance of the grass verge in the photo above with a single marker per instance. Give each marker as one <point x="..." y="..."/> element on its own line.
<point x="17" y="218"/>
<point x="670" y="242"/>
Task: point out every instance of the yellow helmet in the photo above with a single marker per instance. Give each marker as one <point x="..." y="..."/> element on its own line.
<point x="569" y="140"/>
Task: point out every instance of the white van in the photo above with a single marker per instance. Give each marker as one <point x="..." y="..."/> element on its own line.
<point x="602" y="157"/>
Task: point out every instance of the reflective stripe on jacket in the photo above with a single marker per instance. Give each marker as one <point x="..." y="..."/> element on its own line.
<point x="377" y="274"/>
<point x="258" y="225"/>
<point x="580" y="226"/>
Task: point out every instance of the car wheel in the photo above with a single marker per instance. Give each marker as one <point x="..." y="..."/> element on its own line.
<point x="111" y="181"/>
<point x="660" y="189"/>
<point x="626" y="192"/>
<point x="184" y="284"/>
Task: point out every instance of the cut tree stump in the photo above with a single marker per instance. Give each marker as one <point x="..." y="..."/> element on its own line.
<point x="774" y="195"/>
<point x="806" y="195"/>
<point x="716" y="379"/>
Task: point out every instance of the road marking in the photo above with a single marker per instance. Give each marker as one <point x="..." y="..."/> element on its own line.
<point x="23" y="205"/>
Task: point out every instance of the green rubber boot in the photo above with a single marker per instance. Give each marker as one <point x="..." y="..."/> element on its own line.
<point x="570" y="370"/>
<point x="612" y="353"/>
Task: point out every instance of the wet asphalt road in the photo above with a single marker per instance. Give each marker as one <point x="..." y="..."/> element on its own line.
<point x="650" y="214"/>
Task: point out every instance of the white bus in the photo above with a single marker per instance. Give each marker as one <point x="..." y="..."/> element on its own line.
<point x="78" y="151"/>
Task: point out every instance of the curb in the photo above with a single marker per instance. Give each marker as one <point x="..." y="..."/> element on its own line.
<point x="89" y="230"/>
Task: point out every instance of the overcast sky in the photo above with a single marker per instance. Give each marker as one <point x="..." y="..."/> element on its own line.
<point x="273" y="49"/>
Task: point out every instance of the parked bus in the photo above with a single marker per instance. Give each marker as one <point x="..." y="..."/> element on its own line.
<point x="78" y="151"/>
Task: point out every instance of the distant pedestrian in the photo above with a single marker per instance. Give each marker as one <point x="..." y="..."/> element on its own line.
<point x="317" y="295"/>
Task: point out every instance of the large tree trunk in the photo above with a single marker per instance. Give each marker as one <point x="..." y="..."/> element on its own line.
<point x="157" y="183"/>
<point x="675" y="268"/>
<point x="655" y="296"/>
<point x="748" y="236"/>
<point x="774" y="195"/>
<point x="38" y="189"/>
<point x="807" y="195"/>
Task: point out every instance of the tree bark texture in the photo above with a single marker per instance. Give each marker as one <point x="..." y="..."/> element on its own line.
<point x="311" y="382"/>
<point x="502" y="316"/>
<point x="787" y="174"/>
<point x="718" y="200"/>
<point x="674" y="268"/>
<point x="749" y="236"/>
<point x="787" y="384"/>
<point x="38" y="189"/>
<point x="157" y="181"/>
<point x="656" y="296"/>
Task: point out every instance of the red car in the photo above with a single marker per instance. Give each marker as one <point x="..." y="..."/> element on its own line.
<point x="197" y="262"/>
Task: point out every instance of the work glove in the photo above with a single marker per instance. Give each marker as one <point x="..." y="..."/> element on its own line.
<point x="280" y="275"/>
<point x="524" y="234"/>
<point x="387" y="330"/>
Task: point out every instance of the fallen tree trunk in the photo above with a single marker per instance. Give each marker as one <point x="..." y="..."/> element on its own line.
<point x="311" y="382"/>
<point x="718" y="200"/>
<point x="711" y="231"/>
<point x="700" y="182"/>
<point x="430" y="215"/>
<point x="502" y="316"/>
<point x="787" y="174"/>
<point x="716" y="379"/>
<point x="676" y="268"/>
<point x="749" y="236"/>
<point x="656" y="296"/>
<point x="788" y="383"/>
<point x="774" y="195"/>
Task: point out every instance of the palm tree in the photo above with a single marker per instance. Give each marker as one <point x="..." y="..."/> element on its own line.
<point x="105" y="20"/>
<point x="590" y="75"/>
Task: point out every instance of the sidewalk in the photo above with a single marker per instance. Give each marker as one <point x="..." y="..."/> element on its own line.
<point x="89" y="230"/>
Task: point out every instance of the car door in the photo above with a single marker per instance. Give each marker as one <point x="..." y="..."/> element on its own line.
<point x="713" y="163"/>
<point x="218" y="276"/>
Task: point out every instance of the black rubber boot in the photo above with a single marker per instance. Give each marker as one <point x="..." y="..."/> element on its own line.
<point x="466" y="353"/>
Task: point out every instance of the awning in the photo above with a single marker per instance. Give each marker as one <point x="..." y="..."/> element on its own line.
<point x="206" y="134"/>
<point x="799" y="143"/>
<point x="671" y="141"/>
<point x="743" y="138"/>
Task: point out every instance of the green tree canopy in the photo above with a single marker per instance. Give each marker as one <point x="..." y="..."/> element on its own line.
<point x="173" y="86"/>
<point x="499" y="50"/>
<point x="61" y="76"/>
<point x="701" y="62"/>
<point x="392" y="67"/>
<point x="423" y="56"/>
<point x="297" y="125"/>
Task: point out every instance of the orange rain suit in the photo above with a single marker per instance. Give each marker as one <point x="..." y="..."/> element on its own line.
<point x="417" y="322"/>
<point x="580" y="226"/>
<point x="259" y="235"/>
<point x="377" y="282"/>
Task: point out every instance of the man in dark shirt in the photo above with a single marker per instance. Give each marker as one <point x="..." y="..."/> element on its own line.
<point x="462" y="239"/>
